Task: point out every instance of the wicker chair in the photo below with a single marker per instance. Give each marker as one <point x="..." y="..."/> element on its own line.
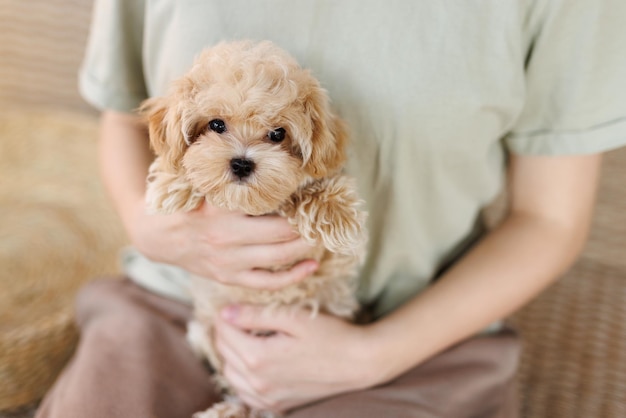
<point x="574" y="362"/>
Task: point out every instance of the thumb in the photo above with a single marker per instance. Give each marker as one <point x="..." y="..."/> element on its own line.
<point x="259" y="318"/>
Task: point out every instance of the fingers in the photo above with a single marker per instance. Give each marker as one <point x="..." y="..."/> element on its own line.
<point x="268" y="256"/>
<point x="273" y="280"/>
<point x="256" y="268"/>
<point x="238" y="228"/>
<point x="262" y="252"/>
<point x="235" y="370"/>
<point x="244" y="389"/>
<point x="285" y="321"/>
<point x="239" y="372"/>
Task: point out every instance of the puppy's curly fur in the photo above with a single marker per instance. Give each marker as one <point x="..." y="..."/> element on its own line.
<point x="248" y="129"/>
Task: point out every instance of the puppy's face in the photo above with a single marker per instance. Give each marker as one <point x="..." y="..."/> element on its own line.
<point x="246" y="126"/>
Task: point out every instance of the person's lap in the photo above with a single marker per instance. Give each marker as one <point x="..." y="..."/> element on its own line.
<point x="133" y="361"/>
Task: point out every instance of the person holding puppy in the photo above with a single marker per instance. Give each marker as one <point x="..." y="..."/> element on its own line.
<point x="446" y="103"/>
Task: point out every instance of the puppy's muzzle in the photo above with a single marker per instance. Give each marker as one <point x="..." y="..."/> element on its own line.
<point x="241" y="167"/>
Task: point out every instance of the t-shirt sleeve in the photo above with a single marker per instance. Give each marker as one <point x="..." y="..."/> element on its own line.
<point x="575" y="79"/>
<point x="111" y="75"/>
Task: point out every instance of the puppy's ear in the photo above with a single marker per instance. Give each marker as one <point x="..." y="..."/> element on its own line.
<point x="329" y="136"/>
<point x="172" y="123"/>
<point x="164" y="128"/>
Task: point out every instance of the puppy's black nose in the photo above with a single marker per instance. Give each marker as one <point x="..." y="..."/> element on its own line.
<point x="242" y="167"/>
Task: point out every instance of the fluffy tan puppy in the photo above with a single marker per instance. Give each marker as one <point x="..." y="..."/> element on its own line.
<point x="249" y="130"/>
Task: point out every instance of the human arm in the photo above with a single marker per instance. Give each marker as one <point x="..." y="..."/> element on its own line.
<point x="550" y="210"/>
<point x="226" y="246"/>
<point x="551" y="203"/>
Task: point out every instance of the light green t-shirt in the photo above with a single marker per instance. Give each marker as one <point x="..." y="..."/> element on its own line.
<point x="436" y="93"/>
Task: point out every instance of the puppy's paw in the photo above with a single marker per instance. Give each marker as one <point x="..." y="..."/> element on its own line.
<point x="169" y="192"/>
<point x="329" y="211"/>
<point x="197" y="337"/>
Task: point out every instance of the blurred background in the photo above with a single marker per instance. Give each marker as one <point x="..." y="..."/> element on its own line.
<point x="41" y="50"/>
<point x="57" y="230"/>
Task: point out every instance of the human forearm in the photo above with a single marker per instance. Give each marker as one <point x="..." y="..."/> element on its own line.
<point x="551" y="205"/>
<point x="505" y="271"/>
<point x="124" y="157"/>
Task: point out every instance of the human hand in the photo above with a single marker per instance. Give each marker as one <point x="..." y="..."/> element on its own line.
<point x="307" y="358"/>
<point x="230" y="247"/>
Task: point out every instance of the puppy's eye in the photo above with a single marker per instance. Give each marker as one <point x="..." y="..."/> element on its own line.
<point x="217" y="125"/>
<point x="277" y="135"/>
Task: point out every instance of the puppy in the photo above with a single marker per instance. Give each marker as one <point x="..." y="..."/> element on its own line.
<point x="248" y="129"/>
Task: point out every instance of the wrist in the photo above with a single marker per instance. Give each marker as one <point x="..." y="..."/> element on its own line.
<point x="378" y="355"/>
<point x="392" y="350"/>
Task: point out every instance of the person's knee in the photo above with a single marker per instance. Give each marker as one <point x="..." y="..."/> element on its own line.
<point x="101" y="297"/>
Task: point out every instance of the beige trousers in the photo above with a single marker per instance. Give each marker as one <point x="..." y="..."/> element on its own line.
<point x="133" y="362"/>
